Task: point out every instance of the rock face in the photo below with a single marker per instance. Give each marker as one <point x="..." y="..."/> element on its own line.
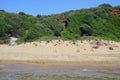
<point x="115" y="12"/>
<point x="12" y="41"/>
<point x="63" y="20"/>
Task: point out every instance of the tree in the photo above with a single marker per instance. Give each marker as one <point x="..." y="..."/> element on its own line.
<point x="2" y="10"/>
<point x="21" y="13"/>
<point x="38" y="16"/>
<point x="105" y="5"/>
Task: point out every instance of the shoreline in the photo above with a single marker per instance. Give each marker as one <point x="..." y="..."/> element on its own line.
<point x="52" y="63"/>
<point x="59" y="52"/>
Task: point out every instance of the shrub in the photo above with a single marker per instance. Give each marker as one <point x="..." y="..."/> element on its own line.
<point x="38" y="16"/>
<point x="105" y="6"/>
<point x="68" y="35"/>
<point x="94" y="21"/>
<point x="21" y="13"/>
<point x="2" y="11"/>
<point x="32" y="34"/>
<point x="86" y="31"/>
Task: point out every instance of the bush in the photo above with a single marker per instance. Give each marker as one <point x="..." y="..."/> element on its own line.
<point x="105" y="6"/>
<point x="94" y="21"/>
<point x="38" y="16"/>
<point x="2" y="11"/>
<point x="68" y="35"/>
<point x="86" y="31"/>
<point x="32" y="34"/>
<point x="21" y="13"/>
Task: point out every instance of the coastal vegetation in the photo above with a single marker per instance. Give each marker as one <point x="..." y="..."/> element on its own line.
<point x="102" y="22"/>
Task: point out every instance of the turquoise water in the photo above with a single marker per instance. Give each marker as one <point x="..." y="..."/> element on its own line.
<point x="30" y="72"/>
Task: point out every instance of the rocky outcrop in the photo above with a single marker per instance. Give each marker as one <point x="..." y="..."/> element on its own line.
<point x="12" y="41"/>
<point x="63" y="20"/>
<point x="115" y="12"/>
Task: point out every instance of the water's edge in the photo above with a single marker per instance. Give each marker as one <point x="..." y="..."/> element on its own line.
<point x="18" y="71"/>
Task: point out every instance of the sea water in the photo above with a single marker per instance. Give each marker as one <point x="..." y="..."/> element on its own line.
<point x="32" y="72"/>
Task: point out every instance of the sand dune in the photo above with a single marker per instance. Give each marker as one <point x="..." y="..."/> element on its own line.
<point x="56" y="51"/>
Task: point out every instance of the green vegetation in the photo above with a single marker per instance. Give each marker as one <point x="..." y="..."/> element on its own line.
<point x="93" y="22"/>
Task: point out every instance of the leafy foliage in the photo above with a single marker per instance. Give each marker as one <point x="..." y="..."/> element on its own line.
<point x="29" y="28"/>
<point x="105" y="5"/>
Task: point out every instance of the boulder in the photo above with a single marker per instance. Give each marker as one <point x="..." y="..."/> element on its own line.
<point x="12" y="41"/>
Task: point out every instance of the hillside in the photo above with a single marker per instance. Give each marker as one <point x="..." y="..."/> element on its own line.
<point x="102" y="22"/>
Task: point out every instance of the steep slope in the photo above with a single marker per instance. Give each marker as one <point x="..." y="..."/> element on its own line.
<point x="102" y="22"/>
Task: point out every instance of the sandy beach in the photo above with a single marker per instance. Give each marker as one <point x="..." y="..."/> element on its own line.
<point x="87" y="52"/>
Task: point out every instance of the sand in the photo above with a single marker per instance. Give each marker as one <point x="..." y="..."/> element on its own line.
<point x="88" y="52"/>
